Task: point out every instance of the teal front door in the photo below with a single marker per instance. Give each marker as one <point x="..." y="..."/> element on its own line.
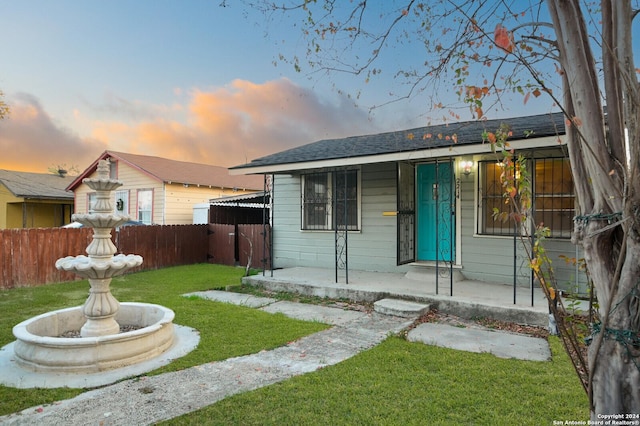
<point x="435" y="208"/>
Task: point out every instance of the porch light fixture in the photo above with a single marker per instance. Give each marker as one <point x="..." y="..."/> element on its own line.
<point x="466" y="167"/>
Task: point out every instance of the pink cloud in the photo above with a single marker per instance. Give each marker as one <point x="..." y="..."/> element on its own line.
<point x="30" y="140"/>
<point x="234" y="124"/>
<point x="223" y="126"/>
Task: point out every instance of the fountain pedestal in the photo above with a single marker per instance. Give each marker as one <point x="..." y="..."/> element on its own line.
<point x="101" y="265"/>
<point x="100" y="310"/>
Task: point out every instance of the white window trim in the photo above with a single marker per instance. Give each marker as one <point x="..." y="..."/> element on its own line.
<point x="91" y="201"/>
<point x="138" y="204"/>
<point x="125" y="196"/>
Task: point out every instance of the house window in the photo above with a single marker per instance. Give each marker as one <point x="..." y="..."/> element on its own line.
<point x="316" y="201"/>
<point x="492" y="198"/>
<point x="329" y="199"/>
<point x="113" y="169"/>
<point x="553" y="198"/>
<point x="121" y="205"/>
<point x="91" y="202"/>
<point x="145" y="204"/>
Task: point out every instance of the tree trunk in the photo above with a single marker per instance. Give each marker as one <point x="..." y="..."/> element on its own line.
<point x="608" y="202"/>
<point x="614" y="354"/>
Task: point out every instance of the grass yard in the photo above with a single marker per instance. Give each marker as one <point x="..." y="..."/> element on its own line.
<point x="403" y="383"/>
<point x="396" y="382"/>
<point x="225" y="330"/>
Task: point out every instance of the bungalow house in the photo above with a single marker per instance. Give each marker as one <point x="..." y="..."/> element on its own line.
<point x="161" y="191"/>
<point x="421" y="198"/>
<point x="34" y="200"/>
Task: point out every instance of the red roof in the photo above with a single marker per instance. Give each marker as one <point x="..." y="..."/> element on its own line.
<point x="173" y="171"/>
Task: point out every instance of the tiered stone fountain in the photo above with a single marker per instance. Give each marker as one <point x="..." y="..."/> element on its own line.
<point x="42" y="345"/>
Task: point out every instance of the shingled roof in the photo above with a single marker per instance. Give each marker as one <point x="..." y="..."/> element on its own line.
<point x="422" y="138"/>
<point x="173" y="171"/>
<point x="43" y="186"/>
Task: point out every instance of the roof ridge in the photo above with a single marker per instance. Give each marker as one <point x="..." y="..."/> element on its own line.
<point x="127" y="154"/>
<point x="168" y="170"/>
<point x="462" y="133"/>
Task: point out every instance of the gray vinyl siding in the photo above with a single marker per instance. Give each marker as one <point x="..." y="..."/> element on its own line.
<point x="567" y="277"/>
<point x="373" y="248"/>
<point x="487" y="258"/>
<point x="492" y="259"/>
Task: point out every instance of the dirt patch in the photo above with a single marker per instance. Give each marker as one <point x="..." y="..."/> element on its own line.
<point x="299" y="298"/>
<point x="351" y="306"/>
<point x="481" y="323"/>
<point x="123" y="329"/>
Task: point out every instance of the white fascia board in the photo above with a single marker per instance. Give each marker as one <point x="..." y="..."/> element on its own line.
<point x="424" y="154"/>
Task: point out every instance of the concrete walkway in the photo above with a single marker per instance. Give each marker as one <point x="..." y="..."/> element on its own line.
<point x="502" y="345"/>
<point x="149" y="399"/>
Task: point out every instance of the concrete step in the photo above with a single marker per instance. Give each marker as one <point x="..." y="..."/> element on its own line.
<point x="400" y="308"/>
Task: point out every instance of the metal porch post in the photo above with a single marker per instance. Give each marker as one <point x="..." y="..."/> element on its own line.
<point x="341" y="236"/>
<point x="452" y="207"/>
<point x="267" y="224"/>
<point x="437" y="197"/>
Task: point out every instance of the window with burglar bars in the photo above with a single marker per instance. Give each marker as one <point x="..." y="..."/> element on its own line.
<point x="553" y="198"/>
<point x="492" y="198"/>
<point x="323" y="200"/>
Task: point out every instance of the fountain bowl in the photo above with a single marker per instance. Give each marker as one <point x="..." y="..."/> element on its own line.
<point x="38" y="347"/>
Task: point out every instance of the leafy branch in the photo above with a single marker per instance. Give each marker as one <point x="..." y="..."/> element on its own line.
<point x="517" y="193"/>
<point x="4" y="108"/>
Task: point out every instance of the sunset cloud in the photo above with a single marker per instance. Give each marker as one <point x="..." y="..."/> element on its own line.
<point x="234" y="124"/>
<point x="223" y="126"/>
<point x="30" y="140"/>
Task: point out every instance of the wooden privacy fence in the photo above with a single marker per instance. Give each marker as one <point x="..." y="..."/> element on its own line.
<point x="162" y="246"/>
<point x="28" y="256"/>
<point x="233" y="244"/>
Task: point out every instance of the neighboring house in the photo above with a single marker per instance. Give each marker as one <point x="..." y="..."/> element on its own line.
<point x="160" y="191"/>
<point x="424" y="196"/>
<point x="34" y="200"/>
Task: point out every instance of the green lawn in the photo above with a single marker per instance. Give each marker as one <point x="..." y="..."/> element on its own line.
<point x="225" y="330"/>
<point x="403" y="383"/>
<point x="396" y="382"/>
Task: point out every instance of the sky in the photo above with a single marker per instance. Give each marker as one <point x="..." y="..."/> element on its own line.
<point x="186" y="80"/>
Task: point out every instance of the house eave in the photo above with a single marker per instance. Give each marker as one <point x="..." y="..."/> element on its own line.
<point x="418" y="155"/>
<point x="45" y="198"/>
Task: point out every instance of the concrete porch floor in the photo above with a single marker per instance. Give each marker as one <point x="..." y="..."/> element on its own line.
<point x="471" y="299"/>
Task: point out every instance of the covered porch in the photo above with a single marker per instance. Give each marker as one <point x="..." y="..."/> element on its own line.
<point x="470" y="299"/>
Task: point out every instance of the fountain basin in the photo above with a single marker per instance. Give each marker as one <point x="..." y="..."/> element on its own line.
<point x="38" y="347"/>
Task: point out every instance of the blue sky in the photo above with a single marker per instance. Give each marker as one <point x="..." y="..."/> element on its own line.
<point x="188" y="80"/>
